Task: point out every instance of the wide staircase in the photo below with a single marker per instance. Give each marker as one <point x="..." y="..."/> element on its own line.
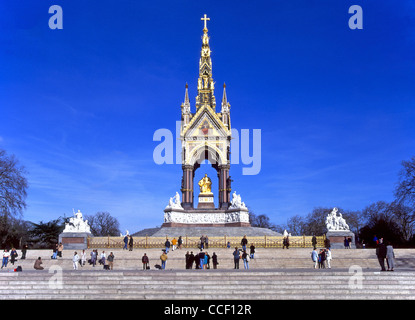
<point x="273" y="274"/>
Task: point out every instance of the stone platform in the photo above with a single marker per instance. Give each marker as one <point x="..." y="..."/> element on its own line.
<point x="213" y="232"/>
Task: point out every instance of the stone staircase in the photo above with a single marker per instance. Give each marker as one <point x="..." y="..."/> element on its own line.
<point x="274" y="274"/>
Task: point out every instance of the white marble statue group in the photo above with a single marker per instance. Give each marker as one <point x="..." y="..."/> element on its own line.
<point x="236" y="202"/>
<point x="174" y="203"/>
<point x="336" y="222"/>
<point x="77" y="224"/>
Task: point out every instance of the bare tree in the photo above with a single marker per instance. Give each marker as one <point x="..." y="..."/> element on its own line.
<point x="13" y="185"/>
<point x="405" y="190"/>
<point x="103" y="224"/>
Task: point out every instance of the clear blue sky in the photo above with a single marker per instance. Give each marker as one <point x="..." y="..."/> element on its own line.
<point x="79" y="106"/>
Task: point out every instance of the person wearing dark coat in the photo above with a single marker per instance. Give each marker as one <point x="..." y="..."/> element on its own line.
<point x="381" y="253"/>
<point x="215" y="260"/>
<point x="131" y="243"/>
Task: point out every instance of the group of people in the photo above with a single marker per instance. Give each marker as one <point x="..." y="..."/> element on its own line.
<point x="12" y="254"/>
<point x="201" y="260"/>
<point x="385" y="251"/>
<point x="321" y="258"/>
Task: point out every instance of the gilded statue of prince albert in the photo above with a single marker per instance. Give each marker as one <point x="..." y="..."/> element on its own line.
<point x="205" y="184"/>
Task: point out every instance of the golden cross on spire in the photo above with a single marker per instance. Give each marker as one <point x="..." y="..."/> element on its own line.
<point x="205" y="18"/>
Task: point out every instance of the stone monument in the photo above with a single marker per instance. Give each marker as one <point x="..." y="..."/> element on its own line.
<point x="76" y="232"/>
<point x="206" y="135"/>
<point x="338" y="229"/>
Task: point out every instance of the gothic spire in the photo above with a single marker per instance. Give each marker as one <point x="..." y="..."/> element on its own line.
<point x="205" y="84"/>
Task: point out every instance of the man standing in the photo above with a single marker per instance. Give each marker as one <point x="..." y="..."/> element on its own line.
<point x="75" y="260"/>
<point x="163" y="259"/>
<point x="236" y="258"/>
<point x="110" y="260"/>
<point x="167" y="245"/>
<point x="381" y="253"/>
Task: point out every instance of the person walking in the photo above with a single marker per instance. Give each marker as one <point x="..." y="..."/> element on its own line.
<point x="328" y="257"/>
<point x="38" y="264"/>
<point x="173" y="244"/>
<point x="236" y="257"/>
<point x="163" y="259"/>
<point x="244" y="242"/>
<point x="125" y="242"/>
<point x="167" y="245"/>
<point x="75" y="260"/>
<point x="207" y="242"/>
<point x="252" y="251"/>
<point x="6" y="255"/>
<point x="110" y="261"/>
<point x="245" y="258"/>
<point x="390" y="256"/>
<point x="381" y="254"/>
<point x="93" y="257"/>
<point x="145" y="261"/>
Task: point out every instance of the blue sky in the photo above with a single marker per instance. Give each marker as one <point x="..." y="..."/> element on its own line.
<point x="79" y="106"/>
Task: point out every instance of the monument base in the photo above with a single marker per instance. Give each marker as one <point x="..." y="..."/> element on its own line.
<point x="238" y="217"/>
<point x="206" y="201"/>
<point x="74" y="240"/>
<point x="337" y="239"/>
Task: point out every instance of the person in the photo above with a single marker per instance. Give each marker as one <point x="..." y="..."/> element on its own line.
<point x="173" y="244"/>
<point x="83" y="258"/>
<point x="244" y="242"/>
<point x="131" y="243"/>
<point x="206" y="261"/>
<point x="125" y="242"/>
<point x="375" y="240"/>
<point x="201" y="259"/>
<point x="245" y="258"/>
<point x="167" y="245"/>
<point x="145" y="261"/>
<point x="252" y="251"/>
<point x="328" y="257"/>
<point x="314" y="241"/>
<point x="110" y="261"/>
<point x="75" y="260"/>
<point x="236" y="258"/>
<point x="93" y="257"/>
<point x="349" y="242"/>
<point x="180" y="242"/>
<point x="38" y="263"/>
<point x="314" y="257"/>
<point x="202" y="242"/>
<point x="381" y="254"/>
<point x="197" y="261"/>
<point x="206" y="242"/>
<point x="228" y="245"/>
<point x="191" y="259"/>
<point x="60" y="250"/>
<point x="163" y="259"/>
<point x="24" y="251"/>
<point x="285" y="242"/>
<point x="102" y="260"/>
<point x="390" y="256"/>
<point x="346" y="243"/>
<point x="13" y="256"/>
<point x="6" y="255"/>
<point x="55" y="252"/>
<point x="322" y="259"/>
<point x="215" y="260"/>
